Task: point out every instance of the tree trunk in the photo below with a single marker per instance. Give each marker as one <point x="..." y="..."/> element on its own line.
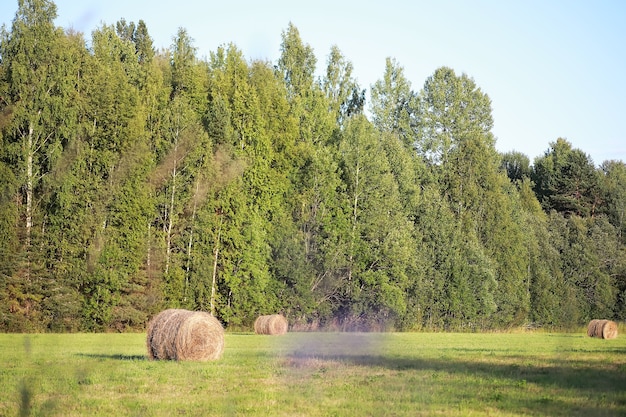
<point x="170" y="224"/>
<point x="216" y="252"/>
<point x="190" y="242"/>
<point x="355" y="206"/>
<point x="29" y="184"/>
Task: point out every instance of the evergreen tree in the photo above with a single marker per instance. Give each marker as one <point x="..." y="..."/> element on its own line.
<point x="317" y="211"/>
<point x="112" y="160"/>
<point x="309" y="104"/>
<point x="33" y="74"/>
<point x="68" y="221"/>
<point x="587" y="256"/>
<point x="457" y="291"/>
<point x="248" y="203"/>
<point x="613" y="185"/>
<point x="566" y="180"/>
<point x="9" y="251"/>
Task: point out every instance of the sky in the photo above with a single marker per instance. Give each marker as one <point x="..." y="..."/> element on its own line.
<point x="551" y="68"/>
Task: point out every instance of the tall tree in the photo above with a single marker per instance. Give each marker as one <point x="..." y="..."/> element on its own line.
<point x="316" y="207"/>
<point x="452" y="108"/>
<point x="516" y="165"/>
<point x="393" y="104"/>
<point x="189" y="74"/>
<point x="68" y="222"/>
<point x="108" y="151"/>
<point x="343" y="92"/>
<point x="143" y="43"/>
<point x="309" y="104"/>
<point x="39" y="99"/>
<point x="613" y="184"/>
<point x="455" y="136"/>
<point x="566" y="180"/>
<point x="9" y="250"/>
<point x="296" y="63"/>
<point x="378" y="236"/>
<point x="458" y="289"/>
<point x="248" y="204"/>
<point x="587" y="254"/>
<point x="33" y="67"/>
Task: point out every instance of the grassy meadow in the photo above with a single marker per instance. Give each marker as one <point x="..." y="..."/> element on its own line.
<point x="318" y="374"/>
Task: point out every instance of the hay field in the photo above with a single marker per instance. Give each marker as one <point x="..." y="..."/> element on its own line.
<point x="318" y="374"/>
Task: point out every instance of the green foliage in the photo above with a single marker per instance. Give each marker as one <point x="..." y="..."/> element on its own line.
<point x="566" y="180"/>
<point x="296" y="63"/>
<point x="345" y="96"/>
<point x="453" y="110"/>
<point x="394" y="105"/>
<point x="379" y="233"/>
<point x="9" y="242"/>
<point x="516" y="165"/>
<point x="455" y="138"/>
<point x="613" y="185"/>
<point x="132" y="180"/>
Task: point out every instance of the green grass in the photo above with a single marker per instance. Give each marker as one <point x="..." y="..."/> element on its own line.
<point x="318" y="374"/>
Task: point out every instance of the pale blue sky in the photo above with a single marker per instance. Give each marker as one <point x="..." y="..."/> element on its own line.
<point x="552" y="68"/>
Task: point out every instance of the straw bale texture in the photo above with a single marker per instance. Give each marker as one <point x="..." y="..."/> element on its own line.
<point x="604" y="329"/>
<point x="273" y="324"/>
<point x="591" y="328"/>
<point x="184" y="335"/>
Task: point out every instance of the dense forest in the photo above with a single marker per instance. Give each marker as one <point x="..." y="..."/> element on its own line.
<point x="134" y="179"/>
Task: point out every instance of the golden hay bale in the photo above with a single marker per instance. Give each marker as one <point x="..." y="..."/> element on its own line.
<point x="609" y="330"/>
<point x="591" y="328"/>
<point x="604" y="329"/>
<point x="273" y="324"/>
<point x="178" y="334"/>
<point x="259" y="324"/>
<point x="599" y="328"/>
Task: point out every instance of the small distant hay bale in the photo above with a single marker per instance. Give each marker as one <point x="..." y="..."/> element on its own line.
<point x="183" y="335"/>
<point x="591" y="328"/>
<point x="273" y="324"/>
<point x="604" y="329"/>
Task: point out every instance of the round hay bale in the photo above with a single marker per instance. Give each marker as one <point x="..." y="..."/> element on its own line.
<point x="273" y="324"/>
<point x="591" y="328"/>
<point x="183" y="335"/>
<point x="599" y="328"/>
<point x="259" y="324"/>
<point x="604" y="329"/>
<point x="609" y="330"/>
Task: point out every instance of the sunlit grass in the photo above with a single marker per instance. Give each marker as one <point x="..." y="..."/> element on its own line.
<point x="318" y="374"/>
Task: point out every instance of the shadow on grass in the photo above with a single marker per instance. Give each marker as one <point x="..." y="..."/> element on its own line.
<point x="115" y="356"/>
<point x="619" y="350"/>
<point x="587" y="375"/>
<point x="505" y="382"/>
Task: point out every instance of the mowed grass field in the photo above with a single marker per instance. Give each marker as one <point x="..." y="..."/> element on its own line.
<point x="318" y="374"/>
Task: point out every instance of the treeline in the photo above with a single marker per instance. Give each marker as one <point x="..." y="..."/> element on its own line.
<point x="134" y="179"/>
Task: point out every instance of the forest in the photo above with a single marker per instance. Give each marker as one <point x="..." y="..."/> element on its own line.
<point x="134" y="179"/>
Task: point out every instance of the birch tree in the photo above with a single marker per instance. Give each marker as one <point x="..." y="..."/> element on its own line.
<point x="38" y="108"/>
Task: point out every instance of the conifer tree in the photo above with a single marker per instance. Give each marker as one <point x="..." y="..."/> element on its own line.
<point x="566" y="180"/>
